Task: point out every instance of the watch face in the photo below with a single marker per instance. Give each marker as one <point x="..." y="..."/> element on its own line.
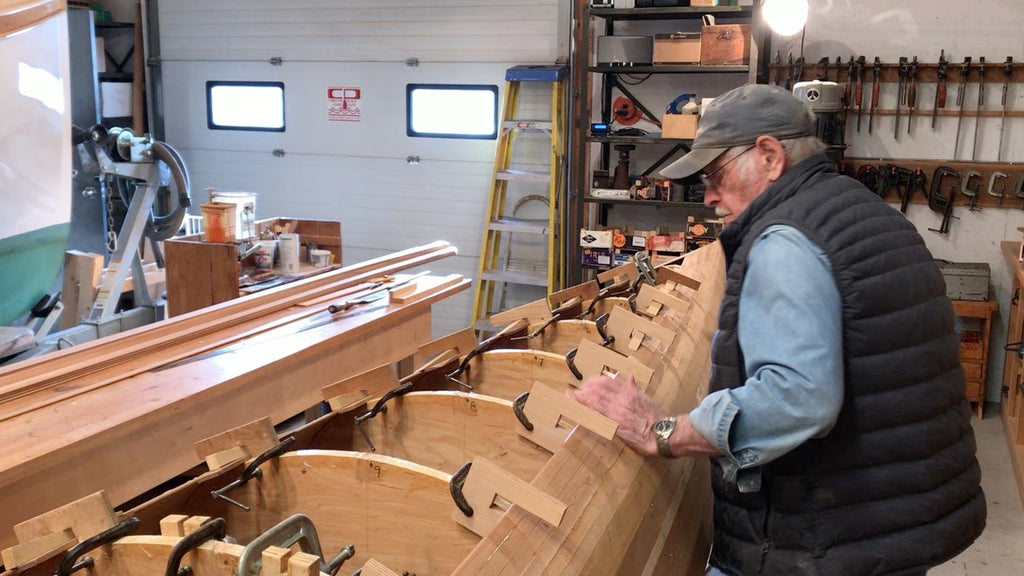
<point x="665" y="426"/>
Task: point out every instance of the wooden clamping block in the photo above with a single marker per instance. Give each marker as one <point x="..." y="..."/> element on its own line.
<point x="631" y="332"/>
<point x="585" y="291"/>
<point x="627" y="272"/>
<point x="173" y="525"/>
<point x="374" y="568"/>
<point x="85" y="517"/>
<point x="553" y="416"/>
<point x="462" y="341"/>
<point x="536" y="311"/>
<point x="653" y="302"/>
<point x="423" y="288"/>
<point x="670" y="278"/>
<point x="193" y="523"/>
<point x="24" y="554"/>
<point x="490" y="491"/>
<point x="277" y="561"/>
<point x="592" y="359"/>
<point x="239" y="443"/>
<point x="357" y="390"/>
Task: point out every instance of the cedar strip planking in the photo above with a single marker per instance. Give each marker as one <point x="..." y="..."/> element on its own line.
<point x="70" y="372"/>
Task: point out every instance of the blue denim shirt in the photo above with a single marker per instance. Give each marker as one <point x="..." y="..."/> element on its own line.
<point x="790" y="331"/>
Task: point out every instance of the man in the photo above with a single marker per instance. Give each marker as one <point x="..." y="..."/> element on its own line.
<point x="836" y="420"/>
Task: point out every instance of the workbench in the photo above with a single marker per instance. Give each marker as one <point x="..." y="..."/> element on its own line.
<point x="1012" y="407"/>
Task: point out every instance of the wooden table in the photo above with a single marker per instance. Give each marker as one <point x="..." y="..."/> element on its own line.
<point x="1012" y="405"/>
<point x="974" y="355"/>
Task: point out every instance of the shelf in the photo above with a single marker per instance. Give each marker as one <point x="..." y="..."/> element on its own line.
<point x="669" y="69"/>
<point x="114" y="25"/>
<point x="670" y="12"/>
<point x="114" y="76"/>
<point x="654" y="203"/>
<point x="639" y="140"/>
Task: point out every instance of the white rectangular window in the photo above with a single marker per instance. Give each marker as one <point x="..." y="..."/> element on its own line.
<point x="452" y="111"/>
<point x="245" y="106"/>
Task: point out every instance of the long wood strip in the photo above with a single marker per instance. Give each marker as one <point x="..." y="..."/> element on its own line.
<point x="253" y="306"/>
<point x="89" y="374"/>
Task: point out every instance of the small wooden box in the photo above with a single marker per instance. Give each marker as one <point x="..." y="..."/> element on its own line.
<point x="679" y="125"/>
<point x="677" y="48"/>
<point x="725" y="45"/>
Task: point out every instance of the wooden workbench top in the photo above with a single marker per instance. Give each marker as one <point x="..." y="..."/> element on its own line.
<point x="1011" y="253"/>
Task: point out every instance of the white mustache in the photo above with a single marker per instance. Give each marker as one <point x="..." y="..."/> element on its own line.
<point x="721" y="211"/>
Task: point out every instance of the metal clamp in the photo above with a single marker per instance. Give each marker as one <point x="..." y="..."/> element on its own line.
<point x="517" y="408"/>
<point x="570" y="360"/>
<point x="381" y="406"/>
<point x="485" y="345"/>
<point x="617" y="289"/>
<point x="645" y="270"/>
<point x="213" y="528"/>
<point x="296" y="528"/>
<point x="569" y="309"/>
<point x="69" y="563"/>
<point x="602" y="327"/>
<point x="455" y="487"/>
<point x="253" y="471"/>
<point x="1000" y="177"/>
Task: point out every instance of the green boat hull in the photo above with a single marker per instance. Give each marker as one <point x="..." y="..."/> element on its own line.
<point x="29" y="264"/>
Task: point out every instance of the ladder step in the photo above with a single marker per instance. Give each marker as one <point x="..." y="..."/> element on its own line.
<point x="523" y="175"/>
<point x="515" y="277"/>
<point x="544" y="125"/>
<point x="524" y="225"/>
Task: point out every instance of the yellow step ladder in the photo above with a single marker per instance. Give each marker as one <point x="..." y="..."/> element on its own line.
<point x="497" y="270"/>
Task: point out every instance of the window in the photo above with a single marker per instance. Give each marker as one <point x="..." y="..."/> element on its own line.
<point x="452" y="111"/>
<point x="245" y="106"/>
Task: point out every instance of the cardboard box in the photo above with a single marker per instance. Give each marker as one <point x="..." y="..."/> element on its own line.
<point x="595" y="238"/>
<point x="679" y="125"/>
<point x="725" y="45"/>
<point x="597" y="257"/>
<point x="677" y="48"/>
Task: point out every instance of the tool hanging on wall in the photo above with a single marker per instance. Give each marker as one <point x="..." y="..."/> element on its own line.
<point x="981" y="105"/>
<point x="939" y="203"/>
<point x="965" y="71"/>
<point x="997" y="176"/>
<point x="821" y="72"/>
<point x="969" y="184"/>
<point x="901" y="94"/>
<point x="791" y="75"/>
<point x="858" y="93"/>
<point x="778" y="67"/>
<point x="851" y="72"/>
<point x="940" y="87"/>
<point x="917" y="180"/>
<point x="911" y="92"/>
<point x="1018" y="188"/>
<point x="875" y="74"/>
<point x="1007" y="70"/>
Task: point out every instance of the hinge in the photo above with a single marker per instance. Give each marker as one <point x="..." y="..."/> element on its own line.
<point x="276" y="61"/>
<point x="412" y="62"/>
<point x="279" y="152"/>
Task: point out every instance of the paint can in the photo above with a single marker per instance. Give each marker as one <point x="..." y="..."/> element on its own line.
<point x="288" y="247"/>
<point x="320" y="258"/>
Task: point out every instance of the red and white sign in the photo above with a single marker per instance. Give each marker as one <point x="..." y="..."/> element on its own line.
<point x="343" y="104"/>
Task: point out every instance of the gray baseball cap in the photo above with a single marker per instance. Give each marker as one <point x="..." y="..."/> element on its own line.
<point x="737" y="118"/>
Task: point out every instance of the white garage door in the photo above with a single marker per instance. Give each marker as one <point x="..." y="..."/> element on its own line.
<point x="354" y="172"/>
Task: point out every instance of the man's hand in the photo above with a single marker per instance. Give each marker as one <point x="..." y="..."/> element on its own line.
<point x="627" y="405"/>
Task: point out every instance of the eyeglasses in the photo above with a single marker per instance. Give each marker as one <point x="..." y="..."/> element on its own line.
<point x="706" y="178"/>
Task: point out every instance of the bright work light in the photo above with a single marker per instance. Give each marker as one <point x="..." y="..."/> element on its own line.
<point x="785" y="17"/>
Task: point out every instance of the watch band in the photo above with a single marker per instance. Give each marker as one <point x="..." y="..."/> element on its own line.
<point x="663" y="430"/>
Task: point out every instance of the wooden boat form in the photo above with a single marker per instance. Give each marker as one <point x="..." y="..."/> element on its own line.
<point x="478" y="462"/>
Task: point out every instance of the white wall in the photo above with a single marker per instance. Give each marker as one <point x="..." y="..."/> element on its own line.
<point x="355" y="172"/>
<point x="892" y="29"/>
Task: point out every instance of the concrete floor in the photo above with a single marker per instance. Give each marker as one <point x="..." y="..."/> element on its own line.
<point x="1000" y="548"/>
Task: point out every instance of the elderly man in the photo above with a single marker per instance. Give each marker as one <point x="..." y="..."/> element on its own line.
<point x="836" y="421"/>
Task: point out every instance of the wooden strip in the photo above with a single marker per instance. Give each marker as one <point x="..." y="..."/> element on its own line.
<point x="425" y="287"/>
<point x="554" y="416"/>
<point x="625" y="272"/>
<point x="48" y="545"/>
<point x="274" y="561"/>
<point x="256" y="437"/>
<point x="593" y="359"/>
<point x="19" y="15"/>
<point x="85" y="517"/>
<point x="353" y="391"/>
<point x="491" y="491"/>
<point x="193" y="523"/>
<point x="564" y="335"/>
<point x="667" y="275"/>
<point x="508" y="373"/>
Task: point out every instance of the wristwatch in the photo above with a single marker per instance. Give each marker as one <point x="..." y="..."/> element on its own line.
<point x="662" y="430"/>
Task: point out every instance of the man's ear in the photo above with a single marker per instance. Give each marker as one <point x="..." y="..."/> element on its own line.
<point x="772" y="157"/>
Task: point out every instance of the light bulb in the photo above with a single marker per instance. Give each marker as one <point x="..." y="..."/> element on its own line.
<point x="785" y="17"/>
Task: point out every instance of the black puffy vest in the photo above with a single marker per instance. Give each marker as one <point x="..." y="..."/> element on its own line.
<point x="895" y="486"/>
